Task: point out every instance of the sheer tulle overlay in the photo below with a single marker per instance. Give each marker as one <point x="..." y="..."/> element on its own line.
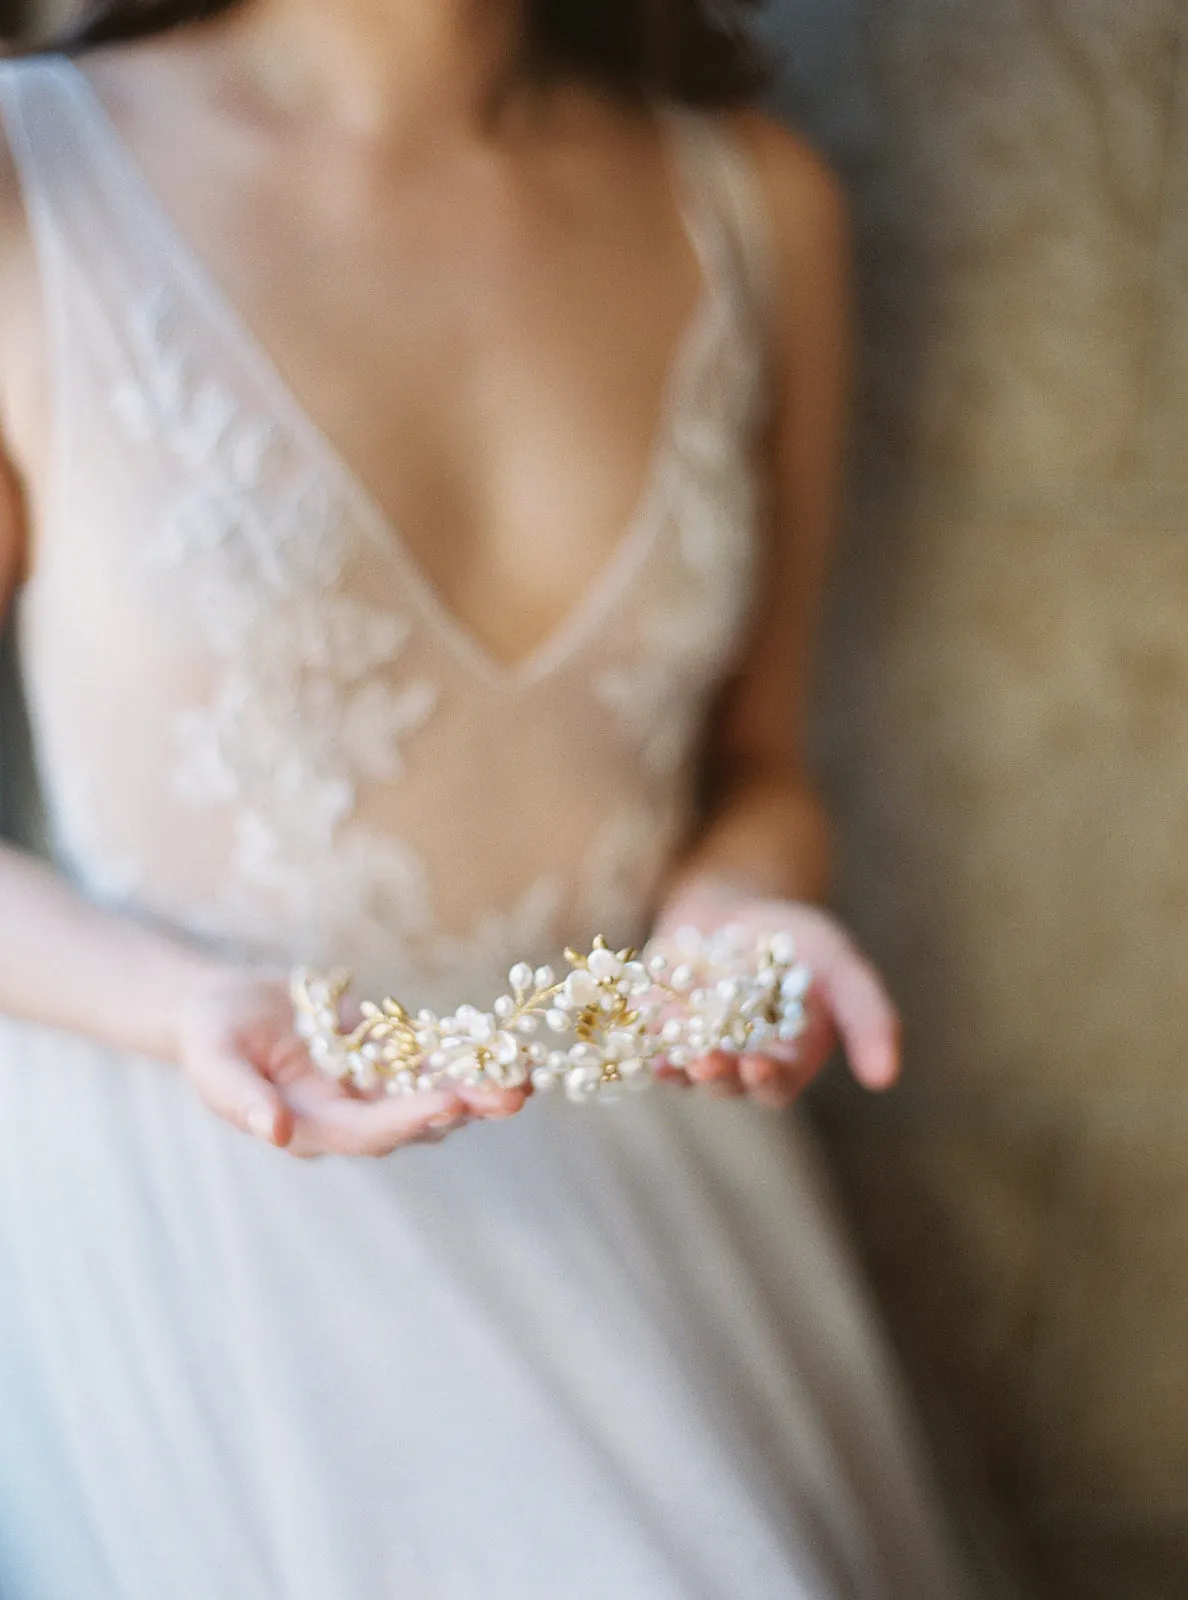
<point x="591" y="1353"/>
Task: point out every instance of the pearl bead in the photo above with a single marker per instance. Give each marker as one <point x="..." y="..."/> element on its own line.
<point x="795" y="983"/>
<point x="603" y="966"/>
<point x="504" y="1048"/>
<point x="581" y="988"/>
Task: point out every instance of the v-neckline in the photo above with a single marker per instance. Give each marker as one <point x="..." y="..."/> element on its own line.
<point x="580" y="621"/>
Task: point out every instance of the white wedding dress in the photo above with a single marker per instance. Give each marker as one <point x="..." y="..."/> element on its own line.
<point x="603" y="1353"/>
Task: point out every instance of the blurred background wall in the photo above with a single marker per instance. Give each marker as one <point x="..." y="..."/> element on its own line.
<point x="1005" y="736"/>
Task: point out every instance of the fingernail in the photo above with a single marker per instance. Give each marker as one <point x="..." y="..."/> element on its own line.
<point x="262" y="1122"/>
<point x="448" y="1119"/>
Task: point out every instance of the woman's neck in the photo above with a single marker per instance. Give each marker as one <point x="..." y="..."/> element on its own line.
<point x="385" y="70"/>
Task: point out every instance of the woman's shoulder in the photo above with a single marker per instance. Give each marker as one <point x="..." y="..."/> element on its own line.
<point x="801" y="186"/>
<point x="806" y="215"/>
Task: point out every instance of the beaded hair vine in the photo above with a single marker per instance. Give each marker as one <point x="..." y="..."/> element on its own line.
<point x="602" y="1028"/>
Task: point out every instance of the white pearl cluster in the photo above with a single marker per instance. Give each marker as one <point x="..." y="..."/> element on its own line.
<point x="602" y="1028"/>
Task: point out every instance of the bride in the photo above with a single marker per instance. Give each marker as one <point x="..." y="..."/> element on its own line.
<point x="421" y="430"/>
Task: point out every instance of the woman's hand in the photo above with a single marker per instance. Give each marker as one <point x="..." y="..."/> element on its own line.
<point x="238" y="1047"/>
<point x="846" y="1000"/>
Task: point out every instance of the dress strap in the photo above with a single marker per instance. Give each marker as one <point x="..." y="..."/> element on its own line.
<point x="35" y="134"/>
<point x="94" y="234"/>
<point x="44" y="137"/>
<point x="726" y="192"/>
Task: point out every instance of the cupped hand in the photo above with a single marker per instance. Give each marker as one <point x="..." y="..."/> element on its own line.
<point x="846" y="1000"/>
<point x="238" y="1046"/>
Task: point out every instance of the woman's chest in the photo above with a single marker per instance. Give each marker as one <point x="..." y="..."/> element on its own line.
<point x="503" y="409"/>
<point x="486" y="347"/>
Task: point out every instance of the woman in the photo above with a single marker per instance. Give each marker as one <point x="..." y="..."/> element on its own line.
<point x="337" y="342"/>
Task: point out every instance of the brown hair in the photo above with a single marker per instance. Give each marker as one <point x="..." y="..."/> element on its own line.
<point x="698" y="51"/>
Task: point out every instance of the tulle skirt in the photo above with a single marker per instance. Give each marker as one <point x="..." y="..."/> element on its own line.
<point x="594" y="1353"/>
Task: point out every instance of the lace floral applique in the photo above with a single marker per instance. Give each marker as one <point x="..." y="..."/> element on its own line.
<point x="303" y="705"/>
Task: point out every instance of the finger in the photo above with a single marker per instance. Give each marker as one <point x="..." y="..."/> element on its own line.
<point x="302" y="1146"/>
<point x="241" y="1095"/>
<point x="793" y="1062"/>
<point x="863" y="1013"/>
<point x="308" y="1145"/>
<point x="491" y="1103"/>
<point x="665" y="1072"/>
<point x="772" y="1083"/>
<point x="715" y="1066"/>
<point x="377" y="1127"/>
<point x="439" y="1135"/>
<point x="758" y="1072"/>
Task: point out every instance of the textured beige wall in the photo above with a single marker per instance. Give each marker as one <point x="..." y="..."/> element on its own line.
<point x="1005" y="736"/>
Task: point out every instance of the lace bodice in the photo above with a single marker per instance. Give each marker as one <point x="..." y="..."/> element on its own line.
<point x="252" y="716"/>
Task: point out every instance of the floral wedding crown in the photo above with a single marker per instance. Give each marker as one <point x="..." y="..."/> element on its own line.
<point x="611" y="1019"/>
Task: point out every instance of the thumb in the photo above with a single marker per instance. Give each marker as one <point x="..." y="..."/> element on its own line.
<point x="863" y="1012"/>
<point x="234" y="1090"/>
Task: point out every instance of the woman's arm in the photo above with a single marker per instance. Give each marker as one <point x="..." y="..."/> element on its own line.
<point x="767" y="824"/>
<point x="763" y="855"/>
